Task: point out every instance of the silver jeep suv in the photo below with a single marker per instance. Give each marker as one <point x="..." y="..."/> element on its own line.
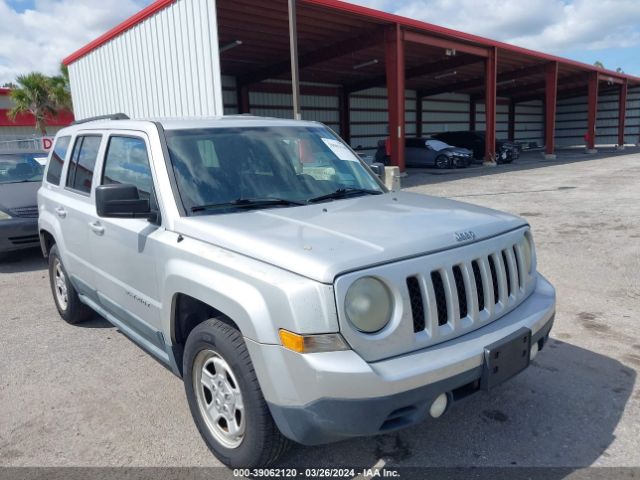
<point x="265" y="264"/>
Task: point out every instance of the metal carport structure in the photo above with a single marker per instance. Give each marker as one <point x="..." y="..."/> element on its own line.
<point x="352" y="48"/>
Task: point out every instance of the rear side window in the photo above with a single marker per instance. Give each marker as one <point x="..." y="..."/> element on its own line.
<point x="127" y="162"/>
<point x="54" y="171"/>
<point x="82" y="163"/>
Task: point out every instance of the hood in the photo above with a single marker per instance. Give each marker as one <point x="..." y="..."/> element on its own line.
<point x="16" y="195"/>
<point x="457" y="150"/>
<point x="351" y="234"/>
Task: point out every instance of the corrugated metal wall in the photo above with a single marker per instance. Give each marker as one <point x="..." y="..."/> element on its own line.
<point x="166" y="66"/>
<point x="529" y="122"/>
<point x="571" y="119"/>
<point x="446" y="112"/>
<point x="370" y="117"/>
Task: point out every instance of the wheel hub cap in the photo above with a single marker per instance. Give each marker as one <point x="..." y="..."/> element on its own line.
<point x="219" y="398"/>
<point x="60" y="285"/>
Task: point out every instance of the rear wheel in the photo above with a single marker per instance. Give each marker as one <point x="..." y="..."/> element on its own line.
<point x="442" y="161"/>
<point x="225" y="398"/>
<point x="69" y="306"/>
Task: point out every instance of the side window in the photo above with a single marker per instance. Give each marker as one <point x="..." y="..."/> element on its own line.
<point x="54" y="171"/>
<point x="127" y="162"/>
<point x="82" y="163"/>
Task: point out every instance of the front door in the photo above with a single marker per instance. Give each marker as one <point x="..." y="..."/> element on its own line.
<point x="124" y="250"/>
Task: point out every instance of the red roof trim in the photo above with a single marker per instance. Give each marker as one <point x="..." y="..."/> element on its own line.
<point x="5" y="91"/>
<point x="364" y="12"/>
<point x="118" y="29"/>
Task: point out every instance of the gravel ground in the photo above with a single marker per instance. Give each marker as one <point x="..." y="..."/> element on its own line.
<point x="87" y="396"/>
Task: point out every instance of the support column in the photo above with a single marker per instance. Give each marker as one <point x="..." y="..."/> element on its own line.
<point x="472" y="113"/>
<point x="295" y="74"/>
<point x="345" y="115"/>
<point x="622" y="113"/>
<point x="550" y="100"/>
<point x="491" y="75"/>
<point x="394" y="63"/>
<point x="242" y="92"/>
<point x="592" y="112"/>
<point x="419" y="100"/>
<point x="512" y="121"/>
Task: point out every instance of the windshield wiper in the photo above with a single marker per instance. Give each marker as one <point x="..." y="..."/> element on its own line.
<point x="344" y="192"/>
<point x="247" y="203"/>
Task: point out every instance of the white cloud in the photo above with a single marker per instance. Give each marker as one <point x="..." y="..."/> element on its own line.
<point x="548" y="25"/>
<point x="39" y="38"/>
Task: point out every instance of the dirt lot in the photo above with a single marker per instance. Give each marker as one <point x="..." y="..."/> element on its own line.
<point x="87" y="396"/>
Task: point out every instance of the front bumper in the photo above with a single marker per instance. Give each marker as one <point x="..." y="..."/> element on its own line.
<point x="324" y="397"/>
<point x="18" y="233"/>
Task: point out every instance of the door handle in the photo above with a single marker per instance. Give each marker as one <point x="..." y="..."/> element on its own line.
<point x="62" y="213"/>
<point x="97" y="228"/>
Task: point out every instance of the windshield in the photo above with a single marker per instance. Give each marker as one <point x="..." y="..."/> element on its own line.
<point x="437" y="145"/>
<point x="19" y="168"/>
<point x="293" y="165"/>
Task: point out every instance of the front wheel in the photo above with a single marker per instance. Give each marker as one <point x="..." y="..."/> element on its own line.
<point x="442" y="162"/>
<point x="225" y="398"/>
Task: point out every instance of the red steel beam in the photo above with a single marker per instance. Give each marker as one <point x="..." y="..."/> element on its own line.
<point x="339" y="49"/>
<point x="419" y="71"/>
<point x="491" y="79"/>
<point x="622" y="111"/>
<point x="448" y="44"/>
<point x="550" y="100"/>
<point x="479" y="81"/>
<point x="394" y="64"/>
<point x="592" y="110"/>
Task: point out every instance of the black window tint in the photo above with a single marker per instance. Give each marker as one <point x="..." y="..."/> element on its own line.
<point x="83" y="161"/>
<point x="54" y="171"/>
<point x="127" y="162"/>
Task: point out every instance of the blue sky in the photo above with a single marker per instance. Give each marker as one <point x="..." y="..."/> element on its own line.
<point x="37" y="34"/>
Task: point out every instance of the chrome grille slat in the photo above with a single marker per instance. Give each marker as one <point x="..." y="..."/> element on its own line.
<point x="431" y="321"/>
<point x="513" y="273"/>
<point x="453" y="307"/>
<point x="472" y="292"/>
<point x="487" y="285"/>
<point x="501" y="273"/>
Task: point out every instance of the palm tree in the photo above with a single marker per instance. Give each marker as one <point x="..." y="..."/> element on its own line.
<point x="36" y="94"/>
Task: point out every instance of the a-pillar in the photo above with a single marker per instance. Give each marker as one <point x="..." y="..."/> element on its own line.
<point x="394" y="62"/>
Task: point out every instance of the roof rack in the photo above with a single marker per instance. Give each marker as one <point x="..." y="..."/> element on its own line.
<point x="112" y="116"/>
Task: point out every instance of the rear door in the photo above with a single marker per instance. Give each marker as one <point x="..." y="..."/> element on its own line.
<point x="125" y="249"/>
<point x="76" y="211"/>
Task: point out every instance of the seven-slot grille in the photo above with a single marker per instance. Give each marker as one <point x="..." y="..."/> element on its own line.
<point x="473" y="292"/>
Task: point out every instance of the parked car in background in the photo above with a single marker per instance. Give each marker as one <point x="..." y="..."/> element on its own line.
<point x="20" y="178"/>
<point x="506" y="152"/>
<point x="427" y="152"/>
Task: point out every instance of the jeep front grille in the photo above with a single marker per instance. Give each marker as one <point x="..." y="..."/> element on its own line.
<point x="474" y="292"/>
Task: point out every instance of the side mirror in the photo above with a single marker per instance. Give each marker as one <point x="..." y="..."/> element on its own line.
<point x="378" y="169"/>
<point x="121" y="201"/>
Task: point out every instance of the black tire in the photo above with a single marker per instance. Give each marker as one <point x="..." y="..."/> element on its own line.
<point x="442" y="161"/>
<point x="75" y="311"/>
<point x="262" y="443"/>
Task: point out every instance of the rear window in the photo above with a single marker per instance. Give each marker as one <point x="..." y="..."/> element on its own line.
<point x="54" y="171"/>
<point x="82" y="163"/>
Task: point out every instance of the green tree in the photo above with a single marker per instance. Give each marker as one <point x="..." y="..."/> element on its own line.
<point x="598" y="64"/>
<point x="39" y="95"/>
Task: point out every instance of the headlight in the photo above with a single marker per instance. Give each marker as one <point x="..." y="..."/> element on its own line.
<point x="368" y="304"/>
<point x="527" y="251"/>
<point x="4" y="216"/>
